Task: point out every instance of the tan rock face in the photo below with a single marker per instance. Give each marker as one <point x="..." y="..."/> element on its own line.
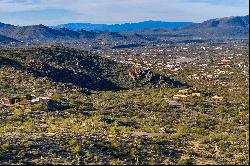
<point x="147" y="76"/>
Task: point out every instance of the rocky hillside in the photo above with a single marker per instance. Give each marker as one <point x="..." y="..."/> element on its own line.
<point x="81" y="69"/>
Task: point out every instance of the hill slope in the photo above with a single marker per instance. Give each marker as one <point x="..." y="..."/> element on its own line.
<point x="228" y="27"/>
<point x="41" y="33"/>
<point x="223" y="27"/>
<point x="80" y="69"/>
<point x="4" y="39"/>
<point x="34" y="33"/>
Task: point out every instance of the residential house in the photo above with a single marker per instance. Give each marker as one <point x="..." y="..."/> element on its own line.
<point x="218" y="98"/>
<point x="196" y="94"/>
<point x="35" y="101"/>
<point x="180" y="97"/>
<point x="184" y="91"/>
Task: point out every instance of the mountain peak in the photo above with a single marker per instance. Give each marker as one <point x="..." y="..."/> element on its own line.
<point x="40" y="26"/>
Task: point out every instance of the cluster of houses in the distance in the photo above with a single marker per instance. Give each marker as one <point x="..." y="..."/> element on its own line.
<point x="186" y="94"/>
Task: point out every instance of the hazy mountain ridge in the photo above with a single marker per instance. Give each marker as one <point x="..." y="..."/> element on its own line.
<point x="237" y="26"/>
<point x="121" y="27"/>
<point x="228" y="27"/>
<point x="3" y="25"/>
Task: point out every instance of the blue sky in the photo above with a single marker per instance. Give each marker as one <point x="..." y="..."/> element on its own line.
<point x="51" y="12"/>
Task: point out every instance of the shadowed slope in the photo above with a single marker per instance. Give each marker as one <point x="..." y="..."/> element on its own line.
<point x="79" y="68"/>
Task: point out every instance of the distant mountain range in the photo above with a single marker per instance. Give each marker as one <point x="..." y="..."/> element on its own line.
<point x="229" y="27"/>
<point x="223" y="27"/>
<point x="41" y="33"/>
<point x="121" y="27"/>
